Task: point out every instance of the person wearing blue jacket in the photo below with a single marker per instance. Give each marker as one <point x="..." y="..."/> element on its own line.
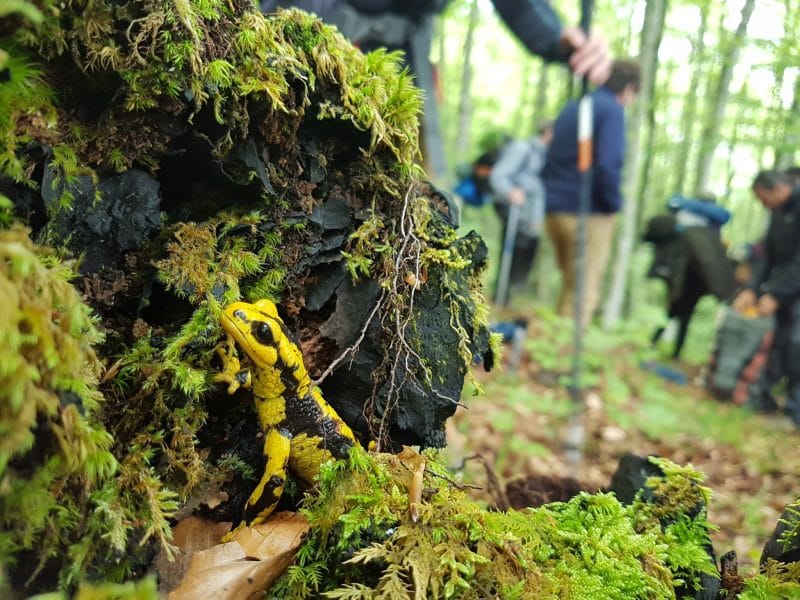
<point x="563" y="184"/>
<point x="408" y="25"/>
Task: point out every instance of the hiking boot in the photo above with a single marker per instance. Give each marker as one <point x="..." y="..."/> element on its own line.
<point x="763" y="404"/>
<point x="792" y="408"/>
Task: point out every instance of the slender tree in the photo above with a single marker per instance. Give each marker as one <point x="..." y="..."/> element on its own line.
<point x="690" y="101"/>
<point x="540" y="102"/>
<point x="713" y="121"/>
<point x="463" y="134"/>
<point x="652" y="31"/>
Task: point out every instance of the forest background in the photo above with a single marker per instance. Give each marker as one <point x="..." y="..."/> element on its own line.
<point x="720" y="100"/>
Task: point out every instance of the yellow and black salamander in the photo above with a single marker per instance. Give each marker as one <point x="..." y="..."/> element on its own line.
<point x="301" y="430"/>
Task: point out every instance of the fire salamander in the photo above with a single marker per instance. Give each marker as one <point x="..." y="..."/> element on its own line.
<point x="301" y="430"/>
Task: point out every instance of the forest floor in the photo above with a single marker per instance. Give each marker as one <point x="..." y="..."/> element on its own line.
<point x="519" y="424"/>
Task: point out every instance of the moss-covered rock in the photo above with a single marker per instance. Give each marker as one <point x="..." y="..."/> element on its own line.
<point x="189" y="154"/>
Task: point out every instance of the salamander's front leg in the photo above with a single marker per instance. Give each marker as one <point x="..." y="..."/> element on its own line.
<point x="264" y="499"/>
<point x="232" y="372"/>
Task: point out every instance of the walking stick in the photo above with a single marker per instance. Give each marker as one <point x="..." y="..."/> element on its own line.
<point x="575" y="428"/>
<point x="512" y="224"/>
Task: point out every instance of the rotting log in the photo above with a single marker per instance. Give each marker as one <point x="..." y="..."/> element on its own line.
<point x="190" y="154"/>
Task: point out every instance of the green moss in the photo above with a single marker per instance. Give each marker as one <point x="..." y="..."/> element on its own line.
<point x="175" y="48"/>
<point x="26" y="111"/>
<point x="65" y="497"/>
<point x="776" y="582"/>
<point x="364" y="544"/>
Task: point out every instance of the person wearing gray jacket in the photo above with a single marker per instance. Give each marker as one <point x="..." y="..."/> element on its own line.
<point x="516" y="180"/>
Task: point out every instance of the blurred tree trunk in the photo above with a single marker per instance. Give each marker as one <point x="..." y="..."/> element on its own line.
<point x="690" y="102"/>
<point x="733" y="141"/>
<point x="785" y="151"/>
<point x="719" y="99"/>
<point x="654" y="181"/>
<point x="652" y="31"/>
<point x="540" y="103"/>
<point x="519" y="122"/>
<point x="463" y="133"/>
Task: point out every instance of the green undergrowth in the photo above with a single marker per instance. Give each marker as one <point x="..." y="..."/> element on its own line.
<point x="66" y="502"/>
<point x="364" y="543"/>
<point x="776" y="582"/>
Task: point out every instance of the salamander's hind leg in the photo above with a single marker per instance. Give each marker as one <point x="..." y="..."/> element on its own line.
<point x="264" y="499"/>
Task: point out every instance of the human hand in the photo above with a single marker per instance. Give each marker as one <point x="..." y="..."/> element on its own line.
<point x="590" y="56"/>
<point x="767" y="305"/>
<point x="744" y="300"/>
<point x="516" y="195"/>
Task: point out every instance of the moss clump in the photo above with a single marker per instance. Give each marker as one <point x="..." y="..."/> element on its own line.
<point x="364" y="543"/>
<point x="66" y="503"/>
<point x="776" y="582"/>
<point x="191" y="54"/>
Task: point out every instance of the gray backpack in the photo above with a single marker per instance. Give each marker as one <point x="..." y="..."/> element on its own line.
<point x="740" y="356"/>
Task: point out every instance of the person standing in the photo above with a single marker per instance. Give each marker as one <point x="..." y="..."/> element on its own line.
<point x="563" y="185"/>
<point x="515" y="179"/>
<point x="775" y="288"/>
<point x="408" y="25"/>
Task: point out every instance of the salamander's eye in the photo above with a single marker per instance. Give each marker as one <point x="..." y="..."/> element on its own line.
<point x="263" y="333"/>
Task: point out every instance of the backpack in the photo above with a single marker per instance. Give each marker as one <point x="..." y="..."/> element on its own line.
<point x="740" y="356"/>
<point x="473" y="185"/>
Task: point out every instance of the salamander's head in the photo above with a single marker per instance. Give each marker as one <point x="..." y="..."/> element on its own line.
<point x="257" y="329"/>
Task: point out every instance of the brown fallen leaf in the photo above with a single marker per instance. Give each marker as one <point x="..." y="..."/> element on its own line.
<point x="243" y="568"/>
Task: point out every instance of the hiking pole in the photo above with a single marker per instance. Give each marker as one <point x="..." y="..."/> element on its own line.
<point x="512" y="224"/>
<point x="575" y="428"/>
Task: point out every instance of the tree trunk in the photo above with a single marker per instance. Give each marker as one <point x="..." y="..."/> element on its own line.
<point x="519" y="122"/>
<point x="540" y="103"/>
<point x="713" y="121"/>
<point x="651" y="39"/>
<point x="785" y="152"/>
<point x="732" y="142"/>
<point x="690" y="103"/>
<point x="463" y="134"/>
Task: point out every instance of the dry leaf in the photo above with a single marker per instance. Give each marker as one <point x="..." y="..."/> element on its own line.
<point x="243" y="568"/>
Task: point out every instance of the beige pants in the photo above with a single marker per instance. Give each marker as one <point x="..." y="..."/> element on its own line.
<point x="563" y="231"/>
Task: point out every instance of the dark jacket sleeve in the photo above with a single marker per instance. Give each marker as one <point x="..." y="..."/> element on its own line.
<point x="759" y="265"/>
<point x="783" y="280"/>
<point x="536" y="25"/>
<point x="609" y="154"/>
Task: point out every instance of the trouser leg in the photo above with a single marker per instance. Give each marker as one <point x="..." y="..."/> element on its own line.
<point x="791" y="362"/>
<point x="599" y="235"/>
<point x="522" y="259"/>
<point x="563" y="231"/>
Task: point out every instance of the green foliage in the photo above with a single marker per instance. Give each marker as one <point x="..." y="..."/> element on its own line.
<point x="792" y="533"/>
<point x="26" y="110"/>
<point x="65" y="497"/>
<point x="777" y="582"/>
<point x="364" y="544"/>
